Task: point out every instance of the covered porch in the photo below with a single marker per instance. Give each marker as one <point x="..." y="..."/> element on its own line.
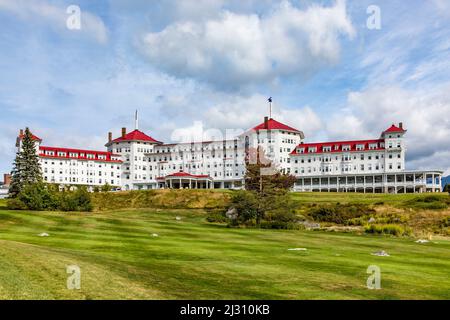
<point x="184" y="180"/>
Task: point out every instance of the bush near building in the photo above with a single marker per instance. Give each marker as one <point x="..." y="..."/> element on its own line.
<point x="41" y="196"/>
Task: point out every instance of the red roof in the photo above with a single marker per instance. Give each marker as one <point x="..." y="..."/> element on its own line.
<point x="274" y="125"/>
<point x="319" y="146"/>
<point x="185" y="174"/>
<point x="80" y="154"/>
<point x="136" y="135"/>
<point x="35" y="138"/>
<point x="394" y="128"/>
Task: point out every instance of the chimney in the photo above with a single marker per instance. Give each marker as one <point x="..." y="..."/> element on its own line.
<point x="109" y="136"/>
<point x="124" y="132"/>
<point x="20" y="132"/>
<point x="266" y="123"/>
<point x="400" y="125"/>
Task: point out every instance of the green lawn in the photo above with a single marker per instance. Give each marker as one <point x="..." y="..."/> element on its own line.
<point x="192" y="259"/>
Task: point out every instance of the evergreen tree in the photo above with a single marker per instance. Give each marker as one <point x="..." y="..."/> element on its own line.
<point x="26" y="168"/>
<point x="269" y="185"/>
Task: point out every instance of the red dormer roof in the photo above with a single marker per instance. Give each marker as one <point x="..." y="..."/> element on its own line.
<point x="337" y="146"/>
<point x="274" y="125"/>
<point x="136" y="135"/>
<point x="394" y="128"/>
<point x="78" y="154"/>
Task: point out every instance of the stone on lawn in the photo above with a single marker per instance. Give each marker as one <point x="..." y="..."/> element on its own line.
<point x="155" y="235"/>
<point x="297" y="249"/>
<point x="178" y="218"/>
<point x="422" y="241"/>
<point x="43" y="234"/>
<point x="372" y="220"/>
<point x="381" y="253"/>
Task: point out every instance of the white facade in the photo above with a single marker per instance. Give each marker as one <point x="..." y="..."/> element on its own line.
<point x="137" y="161"/>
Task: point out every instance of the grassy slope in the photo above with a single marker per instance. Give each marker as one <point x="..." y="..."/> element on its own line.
<point x="193" y="259"/>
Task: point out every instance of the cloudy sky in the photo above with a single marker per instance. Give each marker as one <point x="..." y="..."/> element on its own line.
<point x="214" y="63"/>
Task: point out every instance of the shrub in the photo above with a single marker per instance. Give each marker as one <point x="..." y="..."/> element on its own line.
<point x="445" y="222"/>
<point x="431" y="202"/>
<point x="246" y="205"/>
<point x="217" y="217"/>
<point x="15" y="204"/>
<point x="37" y="196"/>
<point x="390" y="229"/>
<point x="78" y="200"/>
<point x="106" y="187"/>
<point x="276" y="224"/>
<point x="340" y="213"/>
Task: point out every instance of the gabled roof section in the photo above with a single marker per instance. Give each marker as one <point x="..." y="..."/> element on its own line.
<point x="136" y="135"/>
<point x="35" y="138"/>
<point x="273" y="124"/>
<point x="393" y="128"/>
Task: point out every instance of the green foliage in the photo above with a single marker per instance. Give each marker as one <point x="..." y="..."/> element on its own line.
<point x="445" y="222"/>
<point x="37" y="196"/>
<point x="380" y="218"/>
<point x="218" y="217"/>
<point x="266" y="195"/>
<point x="447" y="188"/>
<point x="430" y="202"/>
<point x="26" y="169"/>
<point x="339" y="213"/>
<point x="106" y="187"/>
<point x="40" y="196"/>
<point x="391" y="229"/>
<point x="246" y="205"/>
<point x="78" y="200"/>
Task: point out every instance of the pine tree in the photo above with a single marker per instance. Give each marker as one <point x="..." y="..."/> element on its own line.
<point x="26" y="168"/>
<point x="269" y="185"/>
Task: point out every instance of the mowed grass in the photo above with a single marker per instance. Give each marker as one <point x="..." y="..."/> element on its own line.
<point x="192" y="259"/>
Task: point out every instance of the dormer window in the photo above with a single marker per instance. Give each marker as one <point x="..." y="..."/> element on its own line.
<point x="301" y="150"/>
<point x="312" y="149"/>
<point x="326" y="149"/>
<point x="346" y="148"/>
<point x="359" y="147"/>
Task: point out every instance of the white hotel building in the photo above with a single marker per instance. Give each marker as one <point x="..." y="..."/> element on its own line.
<point x="135" y="160"/>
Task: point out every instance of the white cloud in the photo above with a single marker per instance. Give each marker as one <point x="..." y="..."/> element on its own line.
<point x="91" y="24"/>
<point x="425" y="114"/>
<point x="238" y="49"/>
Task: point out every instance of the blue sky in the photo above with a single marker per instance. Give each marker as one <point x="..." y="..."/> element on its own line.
<point x="216" y="62"/>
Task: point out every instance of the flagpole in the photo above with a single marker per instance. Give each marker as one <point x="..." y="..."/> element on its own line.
<point x="136" y="123"/>
<point x="270" y="107"/>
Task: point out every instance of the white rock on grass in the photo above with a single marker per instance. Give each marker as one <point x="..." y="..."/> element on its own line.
<point x="155" y="235"/>
<point x="381" y="253"/>
<point x="422" y="241"/>
<point x="43" y="234"/>
<point x="297" y="249"/>
<point x="178" y="218"/>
